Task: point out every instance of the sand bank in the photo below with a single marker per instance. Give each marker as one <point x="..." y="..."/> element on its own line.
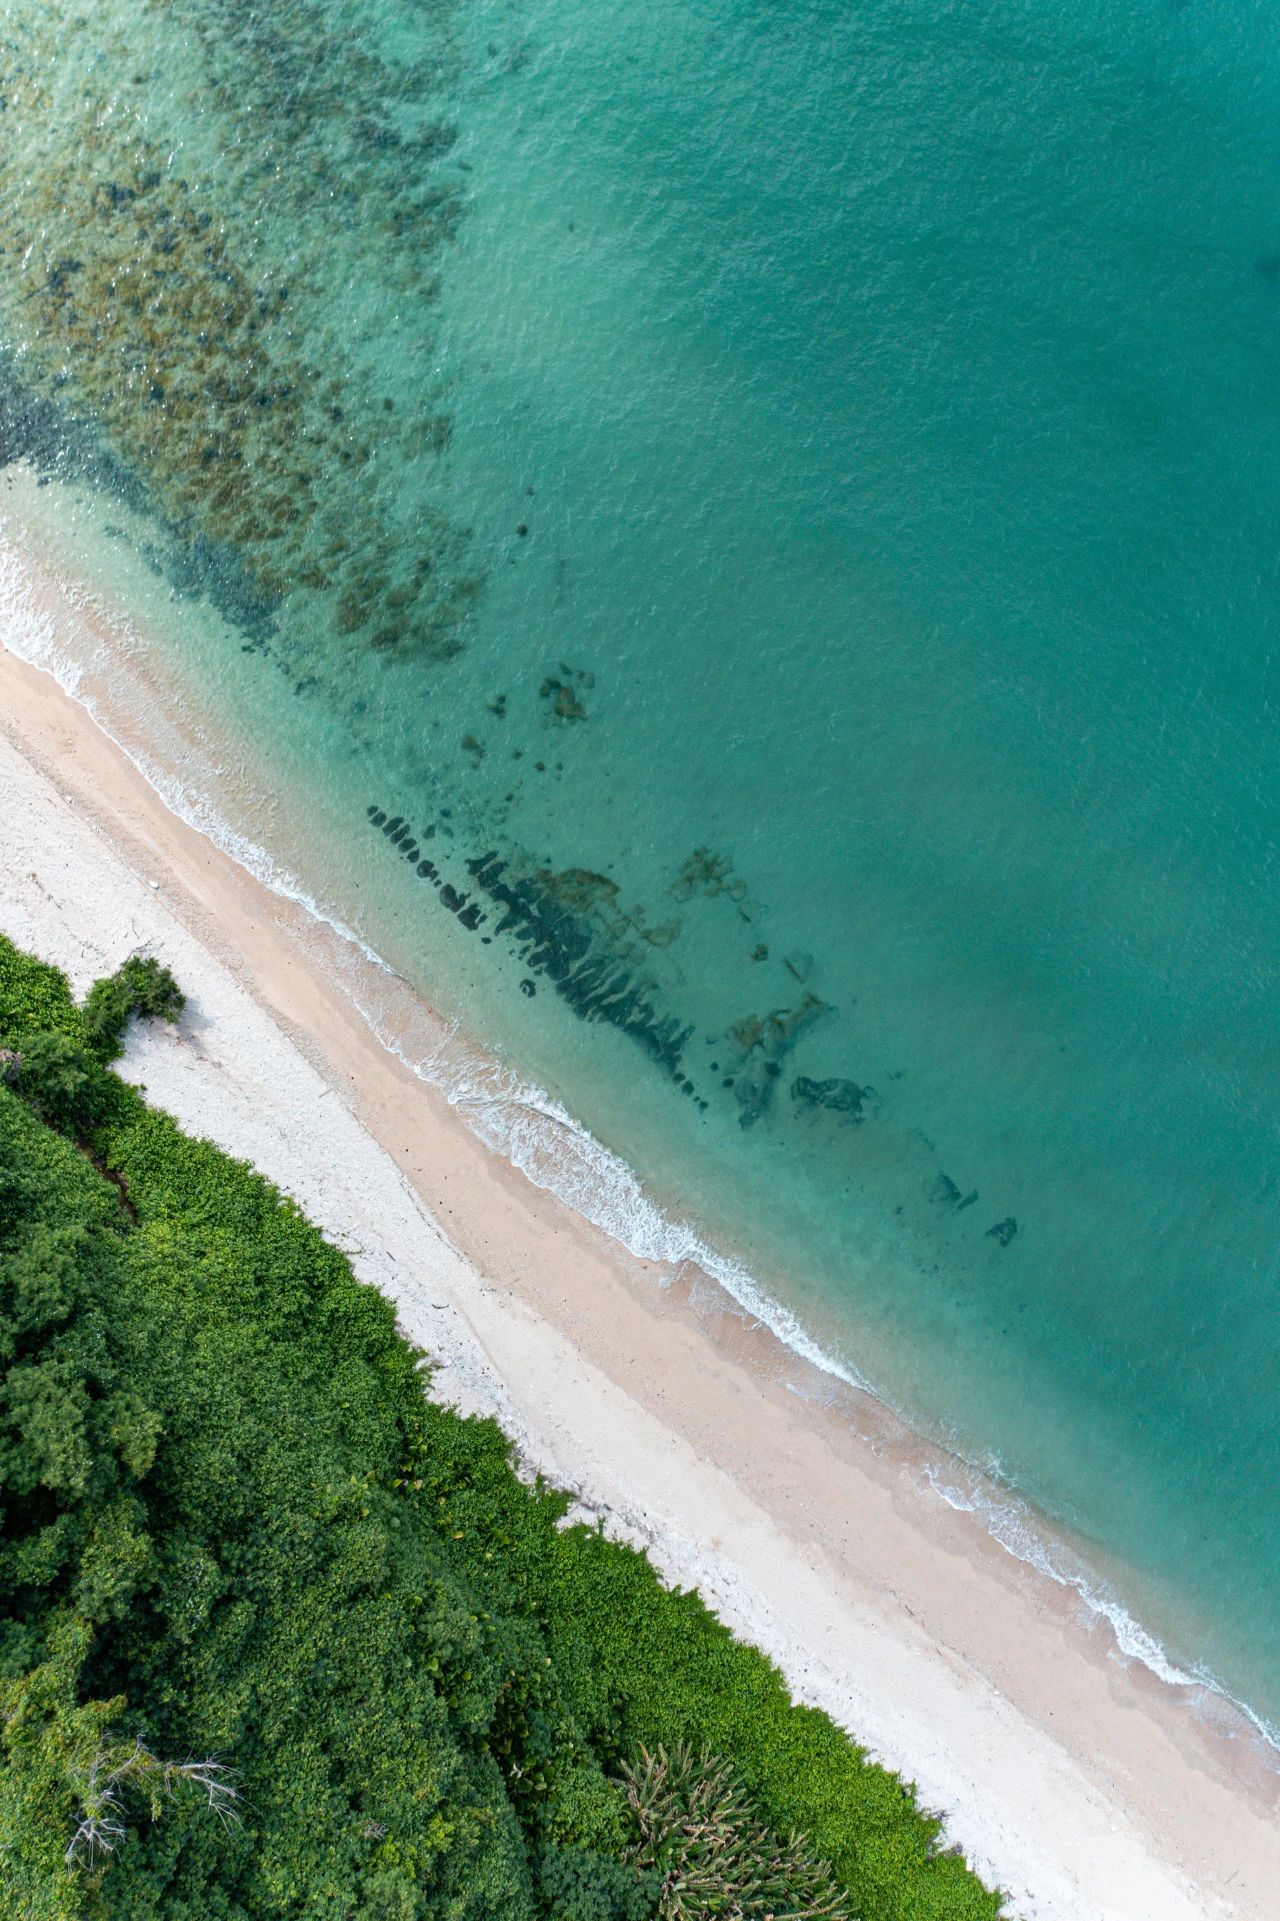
<point x="1072" y="1777"/>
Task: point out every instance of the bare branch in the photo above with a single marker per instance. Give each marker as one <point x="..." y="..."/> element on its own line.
<point x="102" y="1823"/>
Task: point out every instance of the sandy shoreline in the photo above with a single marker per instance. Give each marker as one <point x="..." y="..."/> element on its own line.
<point x="1073" y="1778"/>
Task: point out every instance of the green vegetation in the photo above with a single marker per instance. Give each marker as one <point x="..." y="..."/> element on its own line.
<point x="281" y="1638"/>
<point x="698" y="1830"/>
<point x="143" y="987"/>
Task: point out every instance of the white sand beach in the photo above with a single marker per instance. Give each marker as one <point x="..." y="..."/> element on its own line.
<point x="1071" y="1776"/>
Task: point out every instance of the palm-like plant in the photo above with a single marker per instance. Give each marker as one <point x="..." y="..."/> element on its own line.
<point x="697" y="1829"/>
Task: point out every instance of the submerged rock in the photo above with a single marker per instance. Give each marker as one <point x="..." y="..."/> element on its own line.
<point x="947" y="1194"/>
<point x="762" y="1040"/>
<point x="564" y="701"/>
<point x="709" y="874"/>
<point x="550" y="919"/>
<point x="841" y="1097"/>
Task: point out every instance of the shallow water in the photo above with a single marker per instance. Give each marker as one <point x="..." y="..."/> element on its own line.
<point x="782" y="507"/>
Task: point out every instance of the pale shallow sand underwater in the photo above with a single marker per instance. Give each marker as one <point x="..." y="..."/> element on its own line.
<point x="1070" y="1776"/>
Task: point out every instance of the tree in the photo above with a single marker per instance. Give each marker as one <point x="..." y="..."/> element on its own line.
<point x="58" y="1079"/>
<point x="141" y="987"/>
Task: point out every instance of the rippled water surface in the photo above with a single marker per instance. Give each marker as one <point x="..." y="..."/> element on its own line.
<point x="746" y="539"/>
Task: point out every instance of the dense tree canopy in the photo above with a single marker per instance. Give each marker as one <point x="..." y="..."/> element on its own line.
<point x="279" y="1637"/>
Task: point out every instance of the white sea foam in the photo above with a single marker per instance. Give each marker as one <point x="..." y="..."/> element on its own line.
<point x="1016" y="1528"/>
<point x="30" y="632"/>
<point x="526" y="1126"/>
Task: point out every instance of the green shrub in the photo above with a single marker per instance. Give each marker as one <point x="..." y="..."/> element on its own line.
<point x="58" y="1079"/>
<point x="142" y="987"/>
<point x="576" y="1885"/>
<point x="33" y="996"/>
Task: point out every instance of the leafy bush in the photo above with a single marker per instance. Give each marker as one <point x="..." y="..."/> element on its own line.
<point x="34" y="997"/>
<point x="576" y="1885"/>
<point x="58" y="1079"/>
<point x="143" y="987"/>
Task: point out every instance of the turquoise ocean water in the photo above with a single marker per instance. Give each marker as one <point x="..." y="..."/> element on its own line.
<point x="746" y="540"/>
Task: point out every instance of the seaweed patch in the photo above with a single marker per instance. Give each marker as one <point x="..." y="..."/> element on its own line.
<point x="145" y="298"/>
<point x="762" y="1041"/>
